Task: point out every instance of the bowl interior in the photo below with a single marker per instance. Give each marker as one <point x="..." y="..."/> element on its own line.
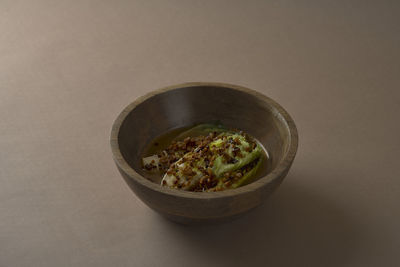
<point x="255" y="114"/>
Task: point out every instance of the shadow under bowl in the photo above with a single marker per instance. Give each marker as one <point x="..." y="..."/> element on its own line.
<point x="187" y="104"/>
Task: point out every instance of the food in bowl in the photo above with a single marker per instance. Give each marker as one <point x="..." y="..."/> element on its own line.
<point x="205" y="158"/>
<point x="156" y="113"/>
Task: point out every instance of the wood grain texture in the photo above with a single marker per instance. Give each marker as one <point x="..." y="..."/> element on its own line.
<point x="192" y="103"/>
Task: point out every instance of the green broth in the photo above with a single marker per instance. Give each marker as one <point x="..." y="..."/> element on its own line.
<point x="162" y="141"/>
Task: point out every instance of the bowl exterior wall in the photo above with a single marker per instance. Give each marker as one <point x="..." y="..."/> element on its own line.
<point x="197" y="211"/>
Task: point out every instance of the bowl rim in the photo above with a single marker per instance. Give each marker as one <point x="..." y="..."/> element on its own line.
<point x="282" y="166"/>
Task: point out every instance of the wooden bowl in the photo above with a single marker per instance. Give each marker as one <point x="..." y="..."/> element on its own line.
<point x="188" y="104"/>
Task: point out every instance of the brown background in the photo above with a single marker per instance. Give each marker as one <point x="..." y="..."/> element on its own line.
<point x="67" y="68"/>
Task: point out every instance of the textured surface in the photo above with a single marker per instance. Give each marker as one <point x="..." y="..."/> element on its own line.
<point x="67" y="68"/>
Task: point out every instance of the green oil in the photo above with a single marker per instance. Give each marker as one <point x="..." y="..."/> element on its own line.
<point x="162" y="141"/>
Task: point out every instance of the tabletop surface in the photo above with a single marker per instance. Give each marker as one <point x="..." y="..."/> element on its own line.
<point x="67" y="68"/>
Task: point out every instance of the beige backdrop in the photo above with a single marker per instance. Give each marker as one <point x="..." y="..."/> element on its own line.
<point x="67" y="68"/>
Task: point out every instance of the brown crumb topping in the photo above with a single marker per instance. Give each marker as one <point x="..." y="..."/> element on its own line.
<point x="199" y="148"/>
